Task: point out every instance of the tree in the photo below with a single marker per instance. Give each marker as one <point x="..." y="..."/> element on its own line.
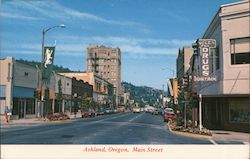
<point x="59" y="98"/>
<point x="85" y="104"/>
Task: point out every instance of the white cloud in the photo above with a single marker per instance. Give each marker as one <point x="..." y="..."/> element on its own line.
<point x="148" y="41"/>
<point x="54" y="10"/>
<point x="131" y="47"/>
<point x="17" y="16"/>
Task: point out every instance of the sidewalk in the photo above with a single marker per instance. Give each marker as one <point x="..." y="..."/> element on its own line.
<point x="22" y="122"/>
<point x="220" y="135"/>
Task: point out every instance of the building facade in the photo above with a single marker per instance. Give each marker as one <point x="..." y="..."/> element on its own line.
<point x="226" y="101"/>
<point x="61" y="101"/>
<point x="18" y="83"/>
<point x="106" y="62"/>
<point x="183" y="62"/>
<point x="103" y="91"/>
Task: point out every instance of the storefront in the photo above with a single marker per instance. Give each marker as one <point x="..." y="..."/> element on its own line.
<point x="23" y="108"/>
<point x="23" y="103"/>
<point x="228" y="113"/>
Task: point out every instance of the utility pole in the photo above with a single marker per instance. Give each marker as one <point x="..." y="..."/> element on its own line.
<point x="163" y="104"/>
<point x="200" y="112"/>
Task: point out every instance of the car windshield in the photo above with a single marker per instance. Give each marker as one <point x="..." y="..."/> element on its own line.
<point x="169" y="110"/>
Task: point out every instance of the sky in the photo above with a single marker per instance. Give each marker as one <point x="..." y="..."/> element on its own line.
<point x="148" y="32"/>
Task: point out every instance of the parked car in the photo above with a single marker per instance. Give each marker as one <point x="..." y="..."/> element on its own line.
<point x="168" y="110"/>
<point x="157" y="111"/>
<point x="88" y="114"/>
<point x="100" y="111"/>
<point x="109" y="111"/>
<point x="121" y="109"/>
<point x="136" y="110"/>
<point x="169" y="115"/>
<point x="142" y="109"/>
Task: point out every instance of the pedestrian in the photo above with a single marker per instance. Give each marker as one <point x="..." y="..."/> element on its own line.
<point x="6" y="118"/>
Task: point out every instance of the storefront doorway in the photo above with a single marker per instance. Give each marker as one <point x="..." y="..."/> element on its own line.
<point x="21" y="106"/>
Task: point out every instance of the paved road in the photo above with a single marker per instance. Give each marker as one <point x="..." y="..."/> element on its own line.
<point x="122" y="128"/>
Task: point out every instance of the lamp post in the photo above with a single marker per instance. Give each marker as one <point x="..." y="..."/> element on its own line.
<point x="173" y="71"/>
<point x="42" y="61"/>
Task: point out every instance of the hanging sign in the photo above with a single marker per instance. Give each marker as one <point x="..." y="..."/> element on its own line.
<point x="205" y="46"/>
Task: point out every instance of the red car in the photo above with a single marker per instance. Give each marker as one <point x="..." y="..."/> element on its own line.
<point x="169" y="115"/>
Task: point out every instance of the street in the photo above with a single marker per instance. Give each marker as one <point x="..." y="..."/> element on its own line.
<point x="121" y="128"/>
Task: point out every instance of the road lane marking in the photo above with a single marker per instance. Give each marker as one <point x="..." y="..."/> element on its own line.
<point x="211" y="140"/>
<point x="135" y="117"/>
<point x="136" y="124"/>
<point x="111" y="118"/>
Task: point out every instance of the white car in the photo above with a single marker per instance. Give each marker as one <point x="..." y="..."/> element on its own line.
<point x="168" y="110"/>
<point x="136" y="110"/>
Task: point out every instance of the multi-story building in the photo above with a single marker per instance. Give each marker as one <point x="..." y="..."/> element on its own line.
<point x="225" y="101"/>
<point x="182" y="62"/>
<point x="182" y="73"/>
<point x="103" y="91"/>
<point x="106" y="62"/>
<point x="61" y="100"/>
<point x="18" y="84"/>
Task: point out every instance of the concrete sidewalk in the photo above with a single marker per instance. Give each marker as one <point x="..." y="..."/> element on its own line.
<point x="23" y="122"/>
<point x="220" y="135"/>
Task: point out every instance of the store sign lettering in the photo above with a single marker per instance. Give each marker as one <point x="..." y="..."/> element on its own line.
<point x="205" y="46"/>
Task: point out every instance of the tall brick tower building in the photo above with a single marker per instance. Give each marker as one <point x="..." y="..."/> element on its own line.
<point x="106" y="62"/>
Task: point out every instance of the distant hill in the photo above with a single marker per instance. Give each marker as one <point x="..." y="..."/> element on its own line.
<point x="55" y="67"/>
<point x="143" y="94"/>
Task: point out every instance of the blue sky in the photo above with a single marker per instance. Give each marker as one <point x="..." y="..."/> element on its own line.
<point x="148" y="32"/>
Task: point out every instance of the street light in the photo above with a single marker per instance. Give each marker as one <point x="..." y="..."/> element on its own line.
<point x="42" y="60"/>
<point x="173" y="71"/>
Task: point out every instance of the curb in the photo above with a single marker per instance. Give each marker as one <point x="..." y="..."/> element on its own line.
<point x="60" y="121"/>
<point x="189" y="134"/>
<point x="192" y="135"/>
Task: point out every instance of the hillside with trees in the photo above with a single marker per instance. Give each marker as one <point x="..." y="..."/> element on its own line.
<point x="143" y="94"/>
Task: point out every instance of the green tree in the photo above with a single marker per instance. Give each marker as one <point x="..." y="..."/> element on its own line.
<point x="60" y="98"/>
<point x="85" y="105"/>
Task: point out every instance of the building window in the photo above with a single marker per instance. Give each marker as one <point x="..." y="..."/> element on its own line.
<point x="239" y="111"/>
<point x="217" y="57"/>
<point x="240" y="51"/>
<point x="30" y="106"/>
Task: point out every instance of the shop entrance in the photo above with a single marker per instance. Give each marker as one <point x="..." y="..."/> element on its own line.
<point x="21" y="106"/>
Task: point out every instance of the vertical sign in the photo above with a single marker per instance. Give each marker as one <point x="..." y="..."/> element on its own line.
<point x="49" y="53"/>
<point x="205" y="45"/>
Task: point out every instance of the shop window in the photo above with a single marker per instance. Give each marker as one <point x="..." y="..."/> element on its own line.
<point x="240" y="51"/>
<point x="30" y="106"/>
<point x="2" y="107"/>
<point x="15" y="107"/>
<point x="239" y="112"/>
<point x="217" y="57"/>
